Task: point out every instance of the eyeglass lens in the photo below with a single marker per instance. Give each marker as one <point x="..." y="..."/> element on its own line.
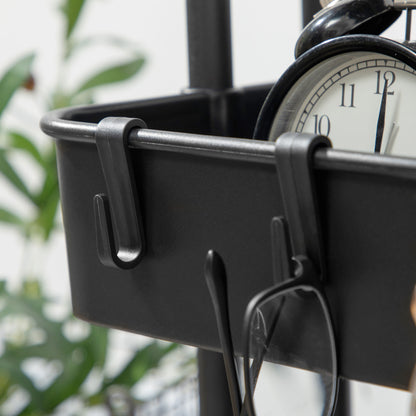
<point x="291" y="370"/>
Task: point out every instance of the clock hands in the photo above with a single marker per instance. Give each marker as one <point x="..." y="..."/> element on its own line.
<point x="381" y="119"/>
<point x="392" y="137"/>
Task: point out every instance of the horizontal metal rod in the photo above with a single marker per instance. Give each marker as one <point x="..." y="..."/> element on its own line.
<point x="404" y="4"/>
<point x="231" y="148"/>
<point x="203" y="145"/>
<point x="263" y="152"/>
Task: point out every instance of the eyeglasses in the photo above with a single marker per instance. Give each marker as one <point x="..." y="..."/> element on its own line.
<point x="288" y="325"/>
<point x="287" y="336"/>
<point x="412" y="386"/>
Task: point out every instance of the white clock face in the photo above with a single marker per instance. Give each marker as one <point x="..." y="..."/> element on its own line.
<point x="362" y="101"/>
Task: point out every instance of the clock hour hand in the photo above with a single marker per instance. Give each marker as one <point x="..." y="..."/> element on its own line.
<point x="381" y="120"/>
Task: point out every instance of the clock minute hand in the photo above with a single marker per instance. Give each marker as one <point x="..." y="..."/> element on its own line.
<point x="381" y="120"/>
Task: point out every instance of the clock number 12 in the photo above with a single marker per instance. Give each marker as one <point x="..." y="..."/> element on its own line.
<point x="388" y="77"/>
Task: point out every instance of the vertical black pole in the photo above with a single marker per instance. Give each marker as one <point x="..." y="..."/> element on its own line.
<point x="210" y="68"/>
<point x="309" y="8"/>
<point x="209" y="44"/>
<point x="344" y="398"/>
<point x="213" y="387"/>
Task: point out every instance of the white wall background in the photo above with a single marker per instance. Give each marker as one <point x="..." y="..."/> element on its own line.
<point x="264" y="34"/>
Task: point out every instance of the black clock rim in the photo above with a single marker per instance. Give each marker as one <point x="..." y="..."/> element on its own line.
<point x="321" y="52"/>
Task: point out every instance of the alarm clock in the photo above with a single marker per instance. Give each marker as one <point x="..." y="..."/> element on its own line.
<point x="357" y="89"/>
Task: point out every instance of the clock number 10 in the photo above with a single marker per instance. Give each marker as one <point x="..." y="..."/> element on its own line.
<point x="322" y="124"/>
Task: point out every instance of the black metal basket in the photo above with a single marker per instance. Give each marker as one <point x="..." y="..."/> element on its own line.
<point x="198" y="192"/>
<point x="190" y="179"/>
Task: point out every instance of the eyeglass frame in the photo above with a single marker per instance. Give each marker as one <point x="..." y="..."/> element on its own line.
<point x="307" y="282"/>
<point x="305" y="278"/>
<point x="294" y="163"/>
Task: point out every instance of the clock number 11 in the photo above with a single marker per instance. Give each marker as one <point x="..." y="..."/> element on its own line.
<point x="347" y="95"/>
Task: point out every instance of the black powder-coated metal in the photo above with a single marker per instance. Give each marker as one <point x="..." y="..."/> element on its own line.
<point x="213" y="388"/>
<point x="344" y="407"/>
<point x="210" y="68"/>
<point x="309" y="8"/>
<point x="294" y="154"/>
<point x="199" y="192"/>
<point x="194" y="113"/>
<point x="345" y="18"/>
<point x="209" y="44"/>
<point x="118" y="219"/>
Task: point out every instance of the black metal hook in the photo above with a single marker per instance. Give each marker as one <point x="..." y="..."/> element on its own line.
<point x="118" y="222"/>
<point x="282" y="257"/>
<point x="294" y="157"/>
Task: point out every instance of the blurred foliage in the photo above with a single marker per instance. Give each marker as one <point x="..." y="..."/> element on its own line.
<point x="66" y="358"/>
<point x="32" y="338"/>
<point x="45" y="199"/>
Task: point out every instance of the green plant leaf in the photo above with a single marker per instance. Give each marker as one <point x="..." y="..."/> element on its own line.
<point x="25" y="144"/>
<point x="11" y="374"/>
<point x="59" y="99"/>
<point x="77" y="358"/>
<point x="10" y="218"/>
<point x="14" y="78"/>
<point x="33" y="308"/>
<point x="76" y="368"/>
<point x="72" y="10"/>
<point x="113" y="74"/>
<point x="142" y="361"/>
<point x="42" y="350"/>
<point x="97" y="342"/>
<point x="9" y="173"/>
<point x="50" y="183"/>
<point x="47" y="211"/>
<point x="106" y="40"/>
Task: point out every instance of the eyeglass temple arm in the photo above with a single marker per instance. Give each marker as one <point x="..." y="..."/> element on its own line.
<point x="215" y="276"/>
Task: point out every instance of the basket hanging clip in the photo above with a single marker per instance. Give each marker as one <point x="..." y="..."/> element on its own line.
<point x="294" y="157"/>
<point x="118" y="223"/>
